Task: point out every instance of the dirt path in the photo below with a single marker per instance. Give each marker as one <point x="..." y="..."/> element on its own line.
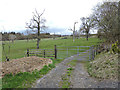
<point x="79" y="78"/>
<point x="52" y="79"/>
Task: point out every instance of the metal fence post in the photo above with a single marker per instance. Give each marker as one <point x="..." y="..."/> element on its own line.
<point x="77" y="50"/>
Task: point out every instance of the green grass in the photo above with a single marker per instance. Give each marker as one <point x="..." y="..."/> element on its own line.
<point x="17" y="50"/>
<point x="26" y="79"/>
<point x="72" y="63"/>
<point x="19" y="47"/>
<point x="65" y="83"/>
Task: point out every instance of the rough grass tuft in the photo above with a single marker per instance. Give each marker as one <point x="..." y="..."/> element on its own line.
<point x="105" y="66"/>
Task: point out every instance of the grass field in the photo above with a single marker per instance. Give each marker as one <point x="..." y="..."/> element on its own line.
<point x="19" y="47"/>
<point x="17" y="50"/>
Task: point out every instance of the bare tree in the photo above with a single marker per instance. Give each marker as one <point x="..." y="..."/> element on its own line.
<point x="7" y="56"/>
<point x="28" y="32"/>
<point x="87" y="24"/>
<point x="54" y="35"/>
<point x="36" y="24"/>
<point x="12" y="37"/>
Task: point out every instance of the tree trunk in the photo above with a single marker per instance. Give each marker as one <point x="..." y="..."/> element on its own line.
<point x="87" y="37"/>
<point x="38" y="36"/>
<point x="12" y="41"/>
<point x="38" y="40"/>
<point x="27" y="39"/>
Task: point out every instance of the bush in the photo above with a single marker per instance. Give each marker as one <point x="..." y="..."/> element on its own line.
<point x="114" y="48"/>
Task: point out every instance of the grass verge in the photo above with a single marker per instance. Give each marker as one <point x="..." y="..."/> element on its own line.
<point x="104" y="66"/>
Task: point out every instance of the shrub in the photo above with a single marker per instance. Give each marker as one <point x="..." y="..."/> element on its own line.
<point x="114" y="48"/>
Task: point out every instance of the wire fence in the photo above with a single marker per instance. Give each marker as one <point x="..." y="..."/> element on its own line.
<point x="97" y="49"/>
<point x="61" y="52"/>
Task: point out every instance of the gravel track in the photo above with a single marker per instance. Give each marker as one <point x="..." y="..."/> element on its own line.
<point x="79" y="79"/>
<point x="52" y="79"/>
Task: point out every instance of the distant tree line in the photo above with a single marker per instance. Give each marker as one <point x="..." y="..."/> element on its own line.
<point x="12" y="35"/>
<point x="20" y="36"/>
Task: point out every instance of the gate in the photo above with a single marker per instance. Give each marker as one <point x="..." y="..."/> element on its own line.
<point x="67" y="51"/>
<point x="62" y="52"/>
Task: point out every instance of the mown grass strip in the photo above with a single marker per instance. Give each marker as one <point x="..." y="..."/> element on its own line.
<point x="65" y="83"/>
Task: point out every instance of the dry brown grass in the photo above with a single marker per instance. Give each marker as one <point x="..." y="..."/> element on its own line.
<point x="105" y="66"/>
<point x="25" y="64"/>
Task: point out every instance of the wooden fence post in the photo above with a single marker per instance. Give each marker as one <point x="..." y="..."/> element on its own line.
<point x="96" y="49"/>
<point x="90" y="52"/>
<point x="27" y="52"/>
<point x="94" y="53"/>
<point x="55" y="52"/>
<point x="44" y="53"/>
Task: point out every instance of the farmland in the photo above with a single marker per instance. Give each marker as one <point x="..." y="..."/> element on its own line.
<point x="54" y="48"/>
<point x="19" y="47"/>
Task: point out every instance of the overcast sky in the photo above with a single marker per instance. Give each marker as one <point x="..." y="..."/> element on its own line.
<point x="59" y="14"/>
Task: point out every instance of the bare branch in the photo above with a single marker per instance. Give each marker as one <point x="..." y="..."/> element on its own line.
<point x="36" y="24"/>
<point x="70" y="29"/>
<point x="42" y="12"/>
